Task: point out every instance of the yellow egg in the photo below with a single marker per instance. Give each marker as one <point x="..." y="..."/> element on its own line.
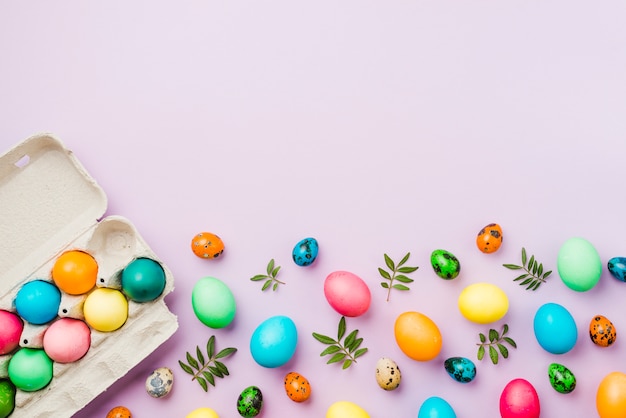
<point x="417" y="336"/>
<point x="611" y="396"/>
<point x="202" y="413"/>
<point x="105" y="309"/>
<point x="346" y="409"/>
<point x="483" y="303"/>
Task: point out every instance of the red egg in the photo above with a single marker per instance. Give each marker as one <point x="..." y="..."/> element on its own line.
<point x="347" y="293"/>
<point x="519" y="399"/>
<point x="11" y="326"/>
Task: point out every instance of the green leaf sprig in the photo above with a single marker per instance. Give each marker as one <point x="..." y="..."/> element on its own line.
<point x="496" y="339"/>
<point x="348" y="351"/>
<point x="534" y="275"/>
<point x="205" y="371"/>
<point x="272" y="271"/>
<point x="398" y="273"/>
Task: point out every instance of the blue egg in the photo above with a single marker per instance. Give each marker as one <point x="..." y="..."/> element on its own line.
<point x="274" y="341"/>
<point x="555" y="328"/>
<point x="38" y="302"/>
<point x="436" y="407"/>
<point x="617" y="268"/>
<point x="460" y="369"/>
<point x="305" y="252"/>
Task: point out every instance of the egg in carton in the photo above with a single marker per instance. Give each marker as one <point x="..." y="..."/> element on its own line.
<point x="51" y="206"/>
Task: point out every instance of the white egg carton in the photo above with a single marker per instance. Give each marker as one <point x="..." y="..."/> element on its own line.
<point x="49" y="204"/>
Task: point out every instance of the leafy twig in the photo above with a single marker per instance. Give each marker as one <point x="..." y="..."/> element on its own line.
<point x="272" y="272"/>
<point x="203" y="371"/>
<point x="395" y="269"/>
<point x="495" y="340"/>
<point x="348" y="351"/>
<point x="534" y="275"/>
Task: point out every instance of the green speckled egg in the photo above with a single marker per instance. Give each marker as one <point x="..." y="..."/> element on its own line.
<point x="7" y="398"/>
<point x="250" y="402"/>
<point x="561" y="378"/>
<point x="445" y="264"/>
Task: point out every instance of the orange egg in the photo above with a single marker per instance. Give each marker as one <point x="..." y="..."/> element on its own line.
<point x="417" y="336"/>
<point x="489" y="239"/>
<point x="297" y="387"/>
<point x="75" y="272"/>
<point x="207" y="245"/>
<point x="119" y="412"/>
<point x="611" y="396"/>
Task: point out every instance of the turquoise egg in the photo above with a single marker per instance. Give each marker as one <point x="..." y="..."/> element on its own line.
<point x="436" y="407"/>
<point x="274" y="341"/>
<point x="305" y="252"/>
<point x="617" y="268"/>
<point x="213" y="302"/>
<point x="579" y="264"/>
<point x="250" y="402"/>
<point x="143" y="280"/>
<point x="30" y="369"/>
<point x="555" y="328"/>
<point x="445" y="264"/>
<point x="561" y="378"/>
<point x="460" y="369"/>
<point x="38" y="302"/>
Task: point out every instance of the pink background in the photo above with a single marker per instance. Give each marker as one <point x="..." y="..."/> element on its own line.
<point x="376" y="127"/>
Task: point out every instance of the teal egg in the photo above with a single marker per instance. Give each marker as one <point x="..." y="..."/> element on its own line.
<point x="436" y="407"/>
<point x="561" y="378"/>
<point x="38" y="302"/>
<point x="617" y="268"/>
<point x="305" y="252"/>
<point x="143" y="280"/>
<point x="461" y="369"/>
<point x="445" y="264"/>
<point x="213" y="302"/>
<point x="250" y="402"/>
<point x="273" y="343"/>
<point x="579" y="264"/>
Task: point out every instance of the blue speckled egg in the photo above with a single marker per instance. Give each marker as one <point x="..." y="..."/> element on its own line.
<point x="250" y="402"/>
<point x="160" y="382"/>
<point x="460" y="369"/>
<point x="274" y="341"/>
<point x="436" y="407"/>
<point x="305" y="252"/>
<point x="617" y="268"/>
<point x="555" y="328"/>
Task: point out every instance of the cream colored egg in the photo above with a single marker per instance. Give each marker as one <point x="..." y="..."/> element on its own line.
<point x="483" y="303"/>
<point x="346" y="409"/>
<point x="387" y="374"/>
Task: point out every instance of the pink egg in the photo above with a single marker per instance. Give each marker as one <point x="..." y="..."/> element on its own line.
<point x="11" y="326"/>
<point x="67" y="340"/>
<point x="519" y="399"/>
<point x="347" y="293"/>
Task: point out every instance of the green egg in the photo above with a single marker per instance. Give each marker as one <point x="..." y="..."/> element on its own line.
<point x="7" y="398"/>
<point x="579" y="264"/>
<point x="445" y="264"/>
<point x="213" y="302"/>
<point x="30" y="369"/>
<point x="250" y="402"/>
<point x="561" y="378"/>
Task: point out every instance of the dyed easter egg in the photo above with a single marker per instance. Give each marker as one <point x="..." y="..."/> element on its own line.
<point x="38" y="302"/>
<point x="345" y="409"/>
<point x="202" y="413"/>
<point x="579" y="264"/>
<point x="7" y="398"/>
<point x="297" y="387"/>
<point x="143" y="280"/>
<point x="207" y="245"/>
<point x="67" y="340"/>
<point x="305" y="252"/>
<point x="30" y="369"/>
<point x="489" y="239"/>
<point x="519" y="399"/>
<point x="611" y="396"/>
<point x="250" y="402"/>
<point x="11" y="327"/>
<point x="561" y="378"/>
<point x="436" y="407"/>
<point x="417" y="336"/>
<point x="483" y="303"/>
<point x="617" y="268"/>
<point x="213" y="302"/>
<point x="388" y="374"/>
<point x="105" y="309"/>
<point x="347" y="293"/>
<point x="461" y="369"/>
<point x="274" y="341"/>
<point x="75" y="272"/>
<point x="555" y="328"/>
<point x="445" y="264"/>
<point x="119" y="412"/>
<point x="160" y="382"/>
<point x="602" y="331"/>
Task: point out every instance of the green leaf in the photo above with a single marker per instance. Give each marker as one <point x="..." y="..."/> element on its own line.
<point x="481" y="352"/>
<point x="270" y="267"/>
<point x="323" y="339"/>
<point x="209" y="377"/>
<point x="258" y="277"/>
<point x="341" y="329"/>
<point x="346" y="364"/>
<point x="336" y="358"/>
<point x="505" y="329"/>
<point x="226" y="352"/>
<point x="512" y="266"/>
<point x="186" y="368"/>
<point x="537" y="285"/>
<point x="266" y="284"/>
<point x="389" y="263"/>
<point x="216" y="372"/>
<point x="384" y="273"/>
<point x="407" y="269"/>
<point x="532" y="284"/>
<point x="531" y="263"/>
<point x="540" y="270"/>
<point x="503" y="350"/>
<point x="403" y="279"/>
<point x="493" y="335"/>
<point x="482" y="337"/>
<point x="400" y="287"/>
<point x="350" y="338"/>
<point x="355" y="344"/>
<point x="210" y="346"/>
<point x="510" y="341"/>
<point x="331" y="349"/>
<point x="221" y="367"/>
<point x="523" y="276"/>
<point x="275" y="286"/>
<point x="275" y="271"/>
<point x="404" y="260"/>
<point x="202" y="383"/>
<point x="525" y="282"/>
<point x="200" y="356"/>
<point x="547" y="274"/>
<point x="192" y="362"/>
<point x="523" y="256"/>
<point x="358" y="353"/>
<point x="493" y="354"/>
<point x="385" y="285"/>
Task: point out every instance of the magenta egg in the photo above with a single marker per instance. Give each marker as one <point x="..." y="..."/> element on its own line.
<point x="347" y="293"/>
<point x="11" y="326"/>
<point x="519" y="399"/>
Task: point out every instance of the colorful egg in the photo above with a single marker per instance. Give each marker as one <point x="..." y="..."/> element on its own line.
<point x="436" y="407"/>
<point x="347" y="293"/>
<point x="160" y="382"/>
<point x="7" y="398"/>
<point x="250" y="402"/>
<point x="207" y="245"/>
<point x="611" y="396"/>
<point x="617" y="268"/>
<point x="489" y="239"/>
<point x="561" y="378"/>
<point x="202" y="413"/>
<point x="461" y="369"/>
<point x="30" y="369"/>
<point x="67" y="340"/>
<point x="273" y="342"/>
<point x="143" y="280"/>
<point x="445" y="264"/>
<point x="11" y="327"/>
<point x="555" y="328"/>
<point x="305" y="252"/>
<point x="119" y="412"/>
<point x="483" y="303"/>
<point x="345" y="409"/>
<point x="75" y="272"/>
<point x="38" y="302"/>
<point x="213" y="302"/>
<point x="602" y="331"/>
<point x="297" y="387"/>
<point x="388" y="374"/>
<point x="579" y="264"/>
<point x="417" y="336"/>
<point x="519" y="399"/>
<point x="106" y="309"/>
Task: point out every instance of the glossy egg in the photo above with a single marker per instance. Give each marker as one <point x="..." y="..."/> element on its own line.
<point x="207" y="245"/>
<point x="250" y="402"/>
<point x="305" y="252"/>
<point x="30" y="369"/>
<point x="461" y="369"/>
<point x="555" y="328"/>
<point x="297" y="387"/>
<point x="38" y="302"/>
<point x="561" y="378"/>
<point x="346" y="409"/>
<point x="611" y="396"/>
<point x="7" y="398"/>
<point x="617" y="268"/>
<point x="67" y="340"/>
<point x="519" y="399"/>
<point x="105" y="309"/>
<point x="143" y="280"/>
<point x="11" y="327"/>
<point x="119" y="412"/>
<point x="75" y="272"/>
<point x="213" y="302"/>
<point x="579" y="264"/>
<point x="436" y="407"/>
<point x="417" y="336"/>
<point x="445" y="264"/>
<point x="602" y="331"/>
<point x="347" y="293"/>
<point x="483" y="303"/>
<point x="273" y="342"/>
<point x="489" y="238"/>
<point x="388" y="374"/>
<point x="160" y="382"/>
<point x="202" y="413"/>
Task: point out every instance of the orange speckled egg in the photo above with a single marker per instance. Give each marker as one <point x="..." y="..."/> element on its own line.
<point x="611" y="396"/>
<point x="75" y="272"/>
<point x="207" y="245"/>
<point x="489" y="238"/>
<point x="602" y="331"/>
<point x="297" y="387"/>
<point x="417" y="336"/>
<point x="119" y="412"/>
